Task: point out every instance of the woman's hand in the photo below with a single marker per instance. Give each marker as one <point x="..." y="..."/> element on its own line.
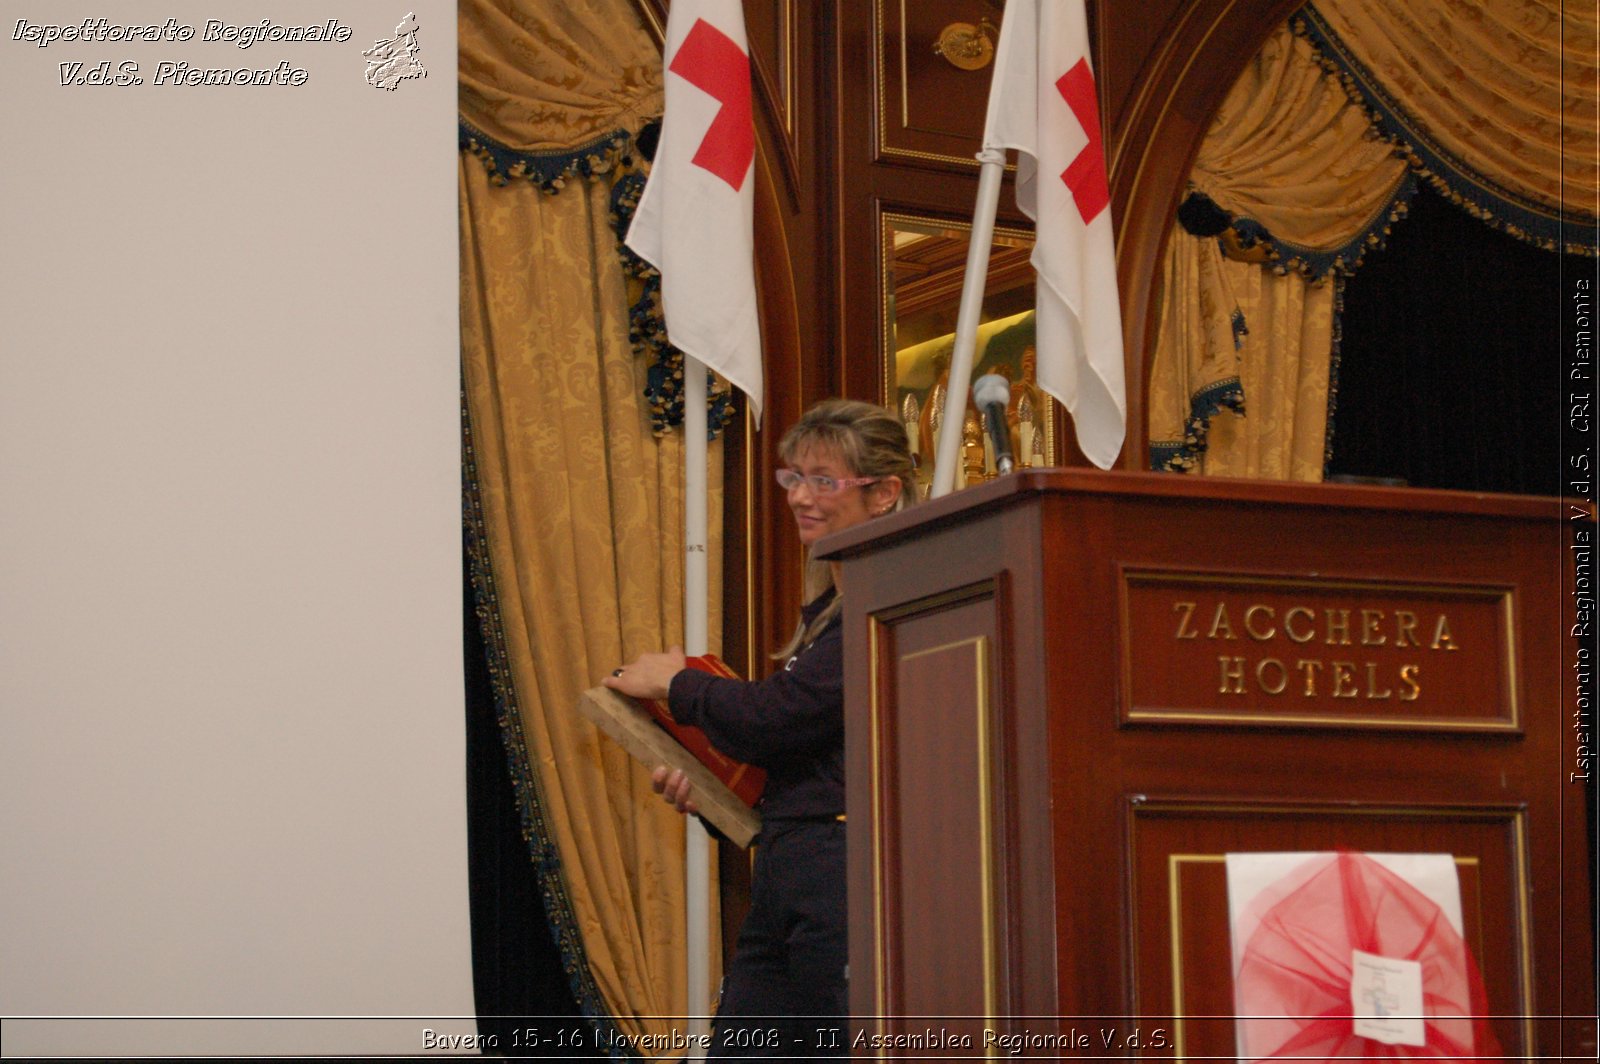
<point x="648" y="677"/>
<point x="675" y="788"/>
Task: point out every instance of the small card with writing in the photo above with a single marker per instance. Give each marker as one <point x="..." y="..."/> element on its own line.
<point x="1386" y="999"/>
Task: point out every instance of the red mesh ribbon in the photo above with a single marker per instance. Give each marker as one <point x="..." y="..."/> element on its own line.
<point x="1295" y="970"/>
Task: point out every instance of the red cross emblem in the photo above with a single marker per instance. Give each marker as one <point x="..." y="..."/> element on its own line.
<point x="709" y="60"/>
<point x="1086" y="177"/>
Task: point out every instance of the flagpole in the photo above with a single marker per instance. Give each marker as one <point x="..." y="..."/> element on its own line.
<point x="696" y="606"/>
<point x="992" y="164"/>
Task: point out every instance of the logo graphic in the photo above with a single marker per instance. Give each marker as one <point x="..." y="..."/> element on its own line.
<point x="712" y="62"/>
<point x="1086" y="177"/>
<point x="393" y="61"/>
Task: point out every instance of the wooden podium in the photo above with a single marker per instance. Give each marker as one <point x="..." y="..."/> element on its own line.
<point x="1071" y="693"/>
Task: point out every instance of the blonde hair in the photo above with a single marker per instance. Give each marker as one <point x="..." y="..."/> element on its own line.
<point x="871" y="442"/>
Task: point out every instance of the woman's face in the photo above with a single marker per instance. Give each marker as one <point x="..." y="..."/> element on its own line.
<point x="817" y="514"/>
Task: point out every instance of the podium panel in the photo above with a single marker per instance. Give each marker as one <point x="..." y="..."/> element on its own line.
<point x="1177" y="850"/>
<point x="1071" y="694"/>
<point x="938" y="812"/>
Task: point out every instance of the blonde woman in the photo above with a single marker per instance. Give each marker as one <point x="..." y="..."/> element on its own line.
<point x="846" y="462"/>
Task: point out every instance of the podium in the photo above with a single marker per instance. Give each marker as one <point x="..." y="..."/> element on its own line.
<point x="1071" y="693"/>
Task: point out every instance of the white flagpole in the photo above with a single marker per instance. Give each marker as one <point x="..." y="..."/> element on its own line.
<point x="696" y="606"/>
<point x="992" y="168"/>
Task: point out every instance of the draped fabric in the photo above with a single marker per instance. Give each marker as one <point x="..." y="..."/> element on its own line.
<point x="1238" y="403"/>
<point x="1295" y="972"/>
<point x="1307" y="164"/>
<point x="1240" y="381"/>
<point x="552" y="92"/>
<point x="576" y="505"/>
<point x="1494" y="103"/>
<point x="544" y="77"/>
<point x="1290" y="153"/>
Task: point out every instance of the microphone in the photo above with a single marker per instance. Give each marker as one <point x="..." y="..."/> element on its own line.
<point x="991" y="394"/>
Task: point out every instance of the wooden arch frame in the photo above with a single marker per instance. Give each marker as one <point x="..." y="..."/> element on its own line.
<point x="1178" y="88"/>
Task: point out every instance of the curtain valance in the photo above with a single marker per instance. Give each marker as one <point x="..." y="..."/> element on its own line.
<point x="1296" y="164"/>
<point x="553" y="93"/>
<point x="1493" y="103"/>
<point x="547" y="92"/>
<point x="547" y="79"/>
<point x="1308" y="163"/>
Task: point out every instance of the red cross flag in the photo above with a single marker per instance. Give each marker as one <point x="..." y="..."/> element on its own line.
<point x="694" y="219"/>
<point x="1042" y="103"/>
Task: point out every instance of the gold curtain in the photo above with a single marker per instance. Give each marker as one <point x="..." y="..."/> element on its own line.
<point x="1239" y="382"/>
<point x="1310" y="160"/>
<point x="1289" y="150"/>
<point x="581" y="505"/>
<point x="553" y="77"/>
<point x="1494" y="102"/>
<point x="1242" y="404"/>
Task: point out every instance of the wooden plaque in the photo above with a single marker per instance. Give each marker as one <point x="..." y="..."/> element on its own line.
<point x="631" y="726"/>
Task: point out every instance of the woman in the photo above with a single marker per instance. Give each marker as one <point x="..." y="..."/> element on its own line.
<point x="847" y="462"/>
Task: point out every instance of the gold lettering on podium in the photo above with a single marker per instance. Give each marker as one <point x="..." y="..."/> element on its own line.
<point x="1232" y="676"/>
<point x="1309" y="670"/>
<point x="1249" y="622"/>
<point x="1305" y="636"/>
<point x="1220" y="623"/>
<point x="1240" y="648"/>
<point x="1298" y="624"/>
<point x="1261" y="676"/>
<point x="1408" y="676"/>
<point x="1338" y="628"/>
<point x="1186" y="611"/>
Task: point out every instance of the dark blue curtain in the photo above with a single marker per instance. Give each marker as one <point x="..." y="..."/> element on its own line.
<point x="1453" y="357"/>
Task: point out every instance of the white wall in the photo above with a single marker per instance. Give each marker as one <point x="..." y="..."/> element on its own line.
<point x="231" y="723"/>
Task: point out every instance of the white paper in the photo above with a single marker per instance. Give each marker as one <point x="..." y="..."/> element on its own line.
<point x="1386" y="999"/>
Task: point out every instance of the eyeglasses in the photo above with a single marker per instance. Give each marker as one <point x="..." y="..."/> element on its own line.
<point x="788" y="480"/>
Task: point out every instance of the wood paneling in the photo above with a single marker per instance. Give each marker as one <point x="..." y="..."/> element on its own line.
<point x="1106" y="807"/>
<point x="1178" y="887"/>
<point x="930" y="112"/>
<point x="774" y="31"/>
<point x="941" y="807"/>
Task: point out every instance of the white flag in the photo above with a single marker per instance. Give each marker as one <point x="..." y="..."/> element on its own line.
<point x="694" y="221"/>
<point x="1042" y="102"/>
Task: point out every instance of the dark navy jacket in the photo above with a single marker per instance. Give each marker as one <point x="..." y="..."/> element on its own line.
<point x="791" y="723"/>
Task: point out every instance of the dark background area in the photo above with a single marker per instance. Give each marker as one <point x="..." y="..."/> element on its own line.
<point x="1452" y="358"/>
<point x="517" y="973"/>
